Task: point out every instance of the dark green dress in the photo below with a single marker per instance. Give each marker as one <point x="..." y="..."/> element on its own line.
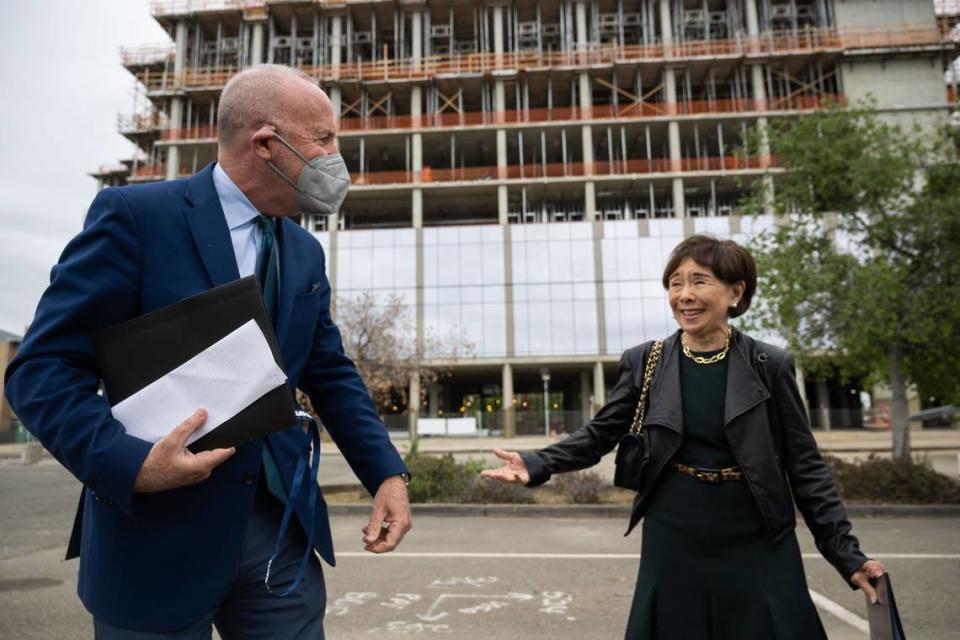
<point x="708" y="570"/>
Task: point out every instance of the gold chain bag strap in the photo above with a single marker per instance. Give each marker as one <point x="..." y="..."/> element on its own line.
<point x="633" y="452"/>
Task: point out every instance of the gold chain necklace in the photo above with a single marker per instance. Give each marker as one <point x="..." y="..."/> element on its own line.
<point x="717" y="357"/>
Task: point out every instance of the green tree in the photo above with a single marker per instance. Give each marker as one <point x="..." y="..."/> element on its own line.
<point x="863" y="266"/>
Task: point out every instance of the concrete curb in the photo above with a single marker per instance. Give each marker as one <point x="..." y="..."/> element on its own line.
<point x="623" y="511"/>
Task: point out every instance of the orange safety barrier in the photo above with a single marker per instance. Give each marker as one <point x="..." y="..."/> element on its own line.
<point x="533" y="170"/>
<point x="535" y="116"/>
<point x="598" y="112"/>
<point x="156" y="80"/>
<point x="154" y="172"/>
<point x="140" y="122"/>
<point x="884" y="39"/>
<point x="189" y="133"/>
<point x="208" y="76"/>
<point x="561" y="170"/>
<point x="147" y="54"/>
<point x="382" y="177"/>
<point x="774" y="43"/>
<point x="184" y="7"/>
<point x="150" y="171"/>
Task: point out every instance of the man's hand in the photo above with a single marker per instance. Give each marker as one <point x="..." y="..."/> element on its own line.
<point x="390" y="519"/>
<point x="870" y="570"/>
<point x="170" y="465"/>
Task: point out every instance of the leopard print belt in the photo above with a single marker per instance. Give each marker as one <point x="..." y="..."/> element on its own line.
<point x="711" y="476"/>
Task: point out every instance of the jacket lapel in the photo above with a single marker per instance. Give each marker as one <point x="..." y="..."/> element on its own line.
<point x="664" y="404"/>
<point x="209" y="228"/>
<point x="745" y="390"/>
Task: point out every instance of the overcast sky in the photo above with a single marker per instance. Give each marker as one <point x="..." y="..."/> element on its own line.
<point x="61" y="88"/>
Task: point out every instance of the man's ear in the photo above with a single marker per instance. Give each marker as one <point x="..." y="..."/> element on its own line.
<point x="260" y="141"/>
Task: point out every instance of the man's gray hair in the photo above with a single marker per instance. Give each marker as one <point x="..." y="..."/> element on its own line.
<point x="254" y="96"/>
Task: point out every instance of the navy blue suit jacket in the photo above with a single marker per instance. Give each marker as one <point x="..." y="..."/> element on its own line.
<point x="157" y="562"/>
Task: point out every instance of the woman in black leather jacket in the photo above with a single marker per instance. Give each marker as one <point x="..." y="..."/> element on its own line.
<point x="730" y="453"/>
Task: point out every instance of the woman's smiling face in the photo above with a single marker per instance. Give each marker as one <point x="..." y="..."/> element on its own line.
<point x="699" y="300"/>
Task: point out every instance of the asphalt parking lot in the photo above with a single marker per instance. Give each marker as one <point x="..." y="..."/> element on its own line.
<point x="472" y="577"/>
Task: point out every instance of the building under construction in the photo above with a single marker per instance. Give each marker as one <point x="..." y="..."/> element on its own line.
<point x="522" y="169"/>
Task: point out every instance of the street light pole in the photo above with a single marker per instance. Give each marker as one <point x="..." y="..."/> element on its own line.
<point x="545" y="376"/>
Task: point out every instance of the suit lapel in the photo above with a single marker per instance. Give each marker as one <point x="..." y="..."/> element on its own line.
<point x="208" y="226"/>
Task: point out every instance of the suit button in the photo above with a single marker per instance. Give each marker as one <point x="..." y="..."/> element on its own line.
<point x="249" y="478"/>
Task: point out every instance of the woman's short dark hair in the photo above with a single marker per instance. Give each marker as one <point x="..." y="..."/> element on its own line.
<point x="728" y="260"/>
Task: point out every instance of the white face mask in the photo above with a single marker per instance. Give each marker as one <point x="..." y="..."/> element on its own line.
<point x="322" y="184"/>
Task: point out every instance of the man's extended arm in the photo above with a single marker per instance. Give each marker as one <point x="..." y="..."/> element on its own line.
<point x="343" y="403"/>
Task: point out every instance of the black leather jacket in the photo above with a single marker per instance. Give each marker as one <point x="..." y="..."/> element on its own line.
<point x="766" y="426"/>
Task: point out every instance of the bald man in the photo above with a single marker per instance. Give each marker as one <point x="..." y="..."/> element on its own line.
<point x="172" y="543"/>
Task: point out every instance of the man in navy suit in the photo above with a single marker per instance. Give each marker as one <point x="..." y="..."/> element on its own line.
<point x="171" y="542"/>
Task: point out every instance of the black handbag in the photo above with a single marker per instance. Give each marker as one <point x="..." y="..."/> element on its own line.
<point x="633" y="451"/>
<point x="883" y="617"/>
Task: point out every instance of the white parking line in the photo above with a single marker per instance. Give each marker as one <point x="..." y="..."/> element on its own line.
<point x="601" y="556"/>
<point x="822" y="602"/>
<point x="837" y="611"/>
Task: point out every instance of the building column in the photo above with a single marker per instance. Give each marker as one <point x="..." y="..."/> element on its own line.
<point x="257" y="24"/>
<point x="499" y="106"/>
<point x="599" y="387"/>
<point x="508" y="289"/>
<point x="760" y="104"/>
<point x="586" y="410"/>
<point x="336" y="49"/>
<point x="585" y="90"/>
<point x="333" y="220"/>
<point x="823" y="404"/>
<point x="509" y="410"/>
<point x="176" y="103"/>
<point x="416" y="160"/>
<point x="673" y="127"/>
<point x="433" y="399"/>
<point x="416" y="194"/>
<point x="413" y="404"/>
<point x="416" y="109"/>
<point x="503" y="204"/>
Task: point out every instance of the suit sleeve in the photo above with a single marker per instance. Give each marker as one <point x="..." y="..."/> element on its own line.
<point x="813" y="487"/>
<point x="53" y="381"/>
<point x="584" y="447"/>
<point x="343" y="403"/>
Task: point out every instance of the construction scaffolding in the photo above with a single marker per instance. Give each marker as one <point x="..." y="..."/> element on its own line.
<point x="511" y="97"/>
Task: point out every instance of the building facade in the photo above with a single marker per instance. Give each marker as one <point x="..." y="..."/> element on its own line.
<point x="521" y="170"/>
<point x="9" y="343"/>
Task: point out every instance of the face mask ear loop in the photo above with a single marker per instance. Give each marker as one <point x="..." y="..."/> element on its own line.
<point x="291" y="147"/>
<point x="277" y="171"/>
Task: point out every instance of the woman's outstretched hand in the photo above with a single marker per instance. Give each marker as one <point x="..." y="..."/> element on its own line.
<point x="513" y="471"/>
<point x="871" y="569"/>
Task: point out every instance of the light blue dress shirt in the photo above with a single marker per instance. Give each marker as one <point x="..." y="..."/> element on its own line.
<point x="241" y="218"/>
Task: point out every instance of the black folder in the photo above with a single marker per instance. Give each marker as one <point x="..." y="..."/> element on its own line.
<point x="135" y="353"/>
<point x="884" y="617"/>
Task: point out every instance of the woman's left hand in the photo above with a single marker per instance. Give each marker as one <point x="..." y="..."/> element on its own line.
<point x="871" y="569"/>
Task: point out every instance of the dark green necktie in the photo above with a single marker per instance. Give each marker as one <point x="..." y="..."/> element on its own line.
<point x="269" y="277"/>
